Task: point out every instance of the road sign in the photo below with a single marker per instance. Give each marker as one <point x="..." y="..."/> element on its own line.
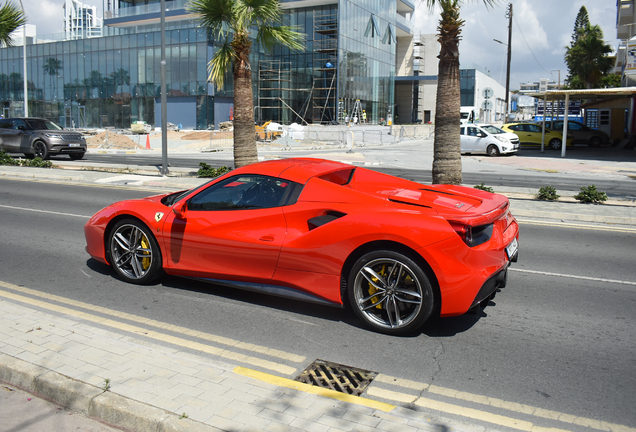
<point x="487" y="105"/>
<point x="488" y="93"/>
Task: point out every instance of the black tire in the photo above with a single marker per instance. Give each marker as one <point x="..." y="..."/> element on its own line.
<point x="134" y="252"/>
<point x="40" y="150"/>
<point x="389" y="292"/>
<point x="595" y="142"/>
<point x="555" y="144"/>
<point x="76" y="156"/>
<point x="492" y="150"/>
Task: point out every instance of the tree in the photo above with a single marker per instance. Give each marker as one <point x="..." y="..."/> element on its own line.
<point x="231" y="22"/>
<point x="581" y="22"/>
<point x="11" y="17"/>
<point x="587" y="58"/>
<point x="51" y="67"/>
<point x="447" y="162"/>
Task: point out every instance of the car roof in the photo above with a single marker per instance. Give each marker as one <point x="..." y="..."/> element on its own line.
<point x="299" y="170"/>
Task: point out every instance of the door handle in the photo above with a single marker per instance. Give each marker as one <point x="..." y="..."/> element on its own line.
<point x="267" y="238"/>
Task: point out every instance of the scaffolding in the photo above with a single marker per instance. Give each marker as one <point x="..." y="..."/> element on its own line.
<point x="274" y="93"/>
<point x="325" y="62"/>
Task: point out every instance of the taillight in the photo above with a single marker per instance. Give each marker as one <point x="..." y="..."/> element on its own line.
<point x="472" y="236"/>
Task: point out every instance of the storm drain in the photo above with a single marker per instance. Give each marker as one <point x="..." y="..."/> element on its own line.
<point x="341" y="378"/>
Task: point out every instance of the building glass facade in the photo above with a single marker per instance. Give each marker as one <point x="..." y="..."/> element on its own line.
<point x="114" y="80"/>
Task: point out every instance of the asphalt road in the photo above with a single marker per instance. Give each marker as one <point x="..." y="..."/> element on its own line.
<point x="561" y="336"/>
<point x="620" y="188"/>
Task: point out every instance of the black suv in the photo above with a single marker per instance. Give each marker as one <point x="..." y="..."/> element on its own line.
<point x="37" y="137"/>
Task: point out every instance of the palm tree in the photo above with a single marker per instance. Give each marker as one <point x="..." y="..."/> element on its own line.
<point x="231" y="22"/>
<point x="51" y="67"/>
<point x="122" y="77"/>
<point x="587" y="58"/>
<point x="447" y="161"/>
<point x="11" y="17"/>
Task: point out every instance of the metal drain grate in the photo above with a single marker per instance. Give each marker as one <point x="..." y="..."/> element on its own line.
<point x="341" y="378"/>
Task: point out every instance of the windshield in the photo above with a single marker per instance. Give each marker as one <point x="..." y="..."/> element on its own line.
<point x="39" y="124"/>
<point x="492" y="129"/>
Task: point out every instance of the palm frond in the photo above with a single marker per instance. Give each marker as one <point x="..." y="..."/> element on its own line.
<point x="270" y="36"/>
<point x="212" y="14"/>
<point x="220" y="64"/>
<point x="11" y="17"/>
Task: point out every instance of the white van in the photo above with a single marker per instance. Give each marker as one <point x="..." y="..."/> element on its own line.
<point x="487" y="139"/>
<point x="468" y="115"/>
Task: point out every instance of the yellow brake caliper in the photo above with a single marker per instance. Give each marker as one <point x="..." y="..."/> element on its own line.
<point x="373" y="290"/>
<point x="145" y="262"/>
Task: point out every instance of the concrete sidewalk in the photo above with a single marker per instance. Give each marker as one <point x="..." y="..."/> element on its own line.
<point x="144" y="375"/>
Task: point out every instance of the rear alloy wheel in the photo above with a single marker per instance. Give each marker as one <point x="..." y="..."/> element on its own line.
<point x="595" y="142"/>
<point x="390" y="292"/>
<point x="76" y="156"/>
<point x="40" y="150"/>
<point x="493" y="150"/>
<point x="555" y="144"/>
<point x="134" y="252"/>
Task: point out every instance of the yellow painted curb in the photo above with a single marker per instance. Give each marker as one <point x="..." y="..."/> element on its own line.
<point x="286" y="382"/>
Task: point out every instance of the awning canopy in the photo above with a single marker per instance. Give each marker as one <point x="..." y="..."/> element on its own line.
<point x="587" y="94"/>
<point x="584" y="94"/>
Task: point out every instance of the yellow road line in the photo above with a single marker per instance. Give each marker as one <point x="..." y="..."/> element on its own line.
<point x="162" y="325"/>
<point x="307" y="388"/>
<point x="577" y="226"/>
<point x="254" y="361"/>
<point x="483" y="400"/>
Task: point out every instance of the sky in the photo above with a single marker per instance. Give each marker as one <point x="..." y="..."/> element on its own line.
<point x="540" y="31"/>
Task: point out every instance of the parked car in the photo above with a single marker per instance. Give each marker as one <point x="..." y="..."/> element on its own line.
<point x="581" y="133"/>
<point x="38" y="137"/>
<point x="530" y="134"/>
<point x="487" y="139"/>
<point x="396" y="251"/>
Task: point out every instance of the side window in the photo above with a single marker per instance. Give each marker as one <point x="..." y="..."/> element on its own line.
<point x="473" y="131"/>
<point x="243" y="192"/>
<point x="18" y="123"/>
<point x="5" y="124"/>
<point x="533" y="128"/>
<point x="515" y="128"/>
<point x="462" y="131"/>
<point x="574" y="126"/>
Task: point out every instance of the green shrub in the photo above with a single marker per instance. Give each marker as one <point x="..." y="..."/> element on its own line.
<point x="591" y="195"/>
<point x="5" y="159"/>
<point x="484" y="188"/>
<point x="208" y="171"/>
<point x="547" y="193"/>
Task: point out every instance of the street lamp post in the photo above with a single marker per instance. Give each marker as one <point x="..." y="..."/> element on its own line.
<point x="509" y="45"/>
<point x="26" y="88"/>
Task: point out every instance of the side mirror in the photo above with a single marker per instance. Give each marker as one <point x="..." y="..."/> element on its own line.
<point x="22" y="128"/>
<point x="482" y="135"/>
<point x="180" y="210"/>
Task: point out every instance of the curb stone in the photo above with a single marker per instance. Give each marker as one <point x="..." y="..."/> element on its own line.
<point x="107" y="407"/>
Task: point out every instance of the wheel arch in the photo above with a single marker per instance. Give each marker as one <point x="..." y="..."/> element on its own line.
<point x="395" y="247"/>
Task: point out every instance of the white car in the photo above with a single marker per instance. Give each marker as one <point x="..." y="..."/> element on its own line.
<point x="489" y="139"/>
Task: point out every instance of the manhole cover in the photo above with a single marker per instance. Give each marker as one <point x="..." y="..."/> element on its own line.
<point x="341" y="378"/>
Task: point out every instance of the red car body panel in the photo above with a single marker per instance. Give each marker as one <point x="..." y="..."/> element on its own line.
<point x="278" y="246"/>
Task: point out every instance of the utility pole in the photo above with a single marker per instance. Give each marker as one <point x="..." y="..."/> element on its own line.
<point x="509" y="16"/>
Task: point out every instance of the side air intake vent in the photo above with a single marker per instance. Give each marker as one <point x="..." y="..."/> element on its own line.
<point x="319" y="221"/>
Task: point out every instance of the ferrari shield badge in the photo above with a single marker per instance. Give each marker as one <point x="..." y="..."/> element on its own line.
<point x="158" y="216"/>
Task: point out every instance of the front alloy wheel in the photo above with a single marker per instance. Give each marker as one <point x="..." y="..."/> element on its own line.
<point x="40" y="150"/>
<point x="134" y="252"/>
<point x="390" y="292"/>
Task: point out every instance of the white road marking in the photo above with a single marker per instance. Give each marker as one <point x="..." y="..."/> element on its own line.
<point x="45" y="211"/>
<point x="573" y="276"/>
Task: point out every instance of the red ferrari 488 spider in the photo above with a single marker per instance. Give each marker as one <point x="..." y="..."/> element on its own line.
<point x="396" y="251"/>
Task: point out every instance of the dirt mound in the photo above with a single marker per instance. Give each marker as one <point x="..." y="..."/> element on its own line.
<point x="114" y="141"/>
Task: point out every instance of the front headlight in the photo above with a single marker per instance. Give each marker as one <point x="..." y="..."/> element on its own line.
<point x="58" y="136"/>
<point x="502" y="139"/>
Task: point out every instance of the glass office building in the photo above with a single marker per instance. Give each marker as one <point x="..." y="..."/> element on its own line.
<point x="114" y="80"/>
